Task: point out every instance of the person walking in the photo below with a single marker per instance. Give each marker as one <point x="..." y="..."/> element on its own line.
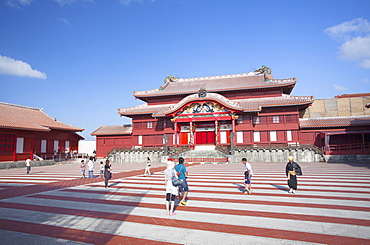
<point x="182" y="175"/>
<point x="101" y="174"/>
<point x="90" y="165"/>
<point x="94" y="155"/>
<point x="171" y="190"/>
<point x="248" y="173"/>
<point x="107" y="173"/>
<point x="83" y="168"/>
<point x="292" y="169"/>
<point x="147" y="168"/>
<point x="28" y="164"/>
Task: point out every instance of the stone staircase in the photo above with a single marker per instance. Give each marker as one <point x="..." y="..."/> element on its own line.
<point x="202" y="154"/>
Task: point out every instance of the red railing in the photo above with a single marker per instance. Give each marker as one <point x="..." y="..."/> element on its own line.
<point x="349" y="149"/>
<point x="55" y="157"/>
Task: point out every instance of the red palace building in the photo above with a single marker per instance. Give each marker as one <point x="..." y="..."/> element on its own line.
<point x="27" y="131"/>
<point x="250" y="109"/>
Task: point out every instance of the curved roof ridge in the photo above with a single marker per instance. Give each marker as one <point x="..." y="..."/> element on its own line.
<point x="219" y="77"/>
<point x="181" y="80"/>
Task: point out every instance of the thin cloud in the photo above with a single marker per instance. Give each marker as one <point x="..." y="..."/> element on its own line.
<point x="127" y="2"/>
<point x="339" y="88"/>
<point x="14" y="67"/>
<point x="18" y="3"/>
<point x="347" y="30"/>
<point x="357" y="48"/>
<point x="64" y="2"/>
<point x="68" y="2"/>
<point x="65" y="21"/>
<point x="365" y="64"/>
<point x="24" y="3"/>
<point x="354" y="37"/>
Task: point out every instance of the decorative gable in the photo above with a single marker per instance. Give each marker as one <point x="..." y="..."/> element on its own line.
<point x="202" y="107"/>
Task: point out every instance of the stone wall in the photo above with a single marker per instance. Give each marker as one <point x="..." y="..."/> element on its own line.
<point x="253" y="155"/>
<point x="136" y="156"/>
<point x="21" y="164"/>
<point x="273" y="155"/>
<point x="348" y="158"/>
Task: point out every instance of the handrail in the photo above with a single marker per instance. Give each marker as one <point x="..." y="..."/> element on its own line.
<point x="272" y="146"/>
<point x="348" y="147"/>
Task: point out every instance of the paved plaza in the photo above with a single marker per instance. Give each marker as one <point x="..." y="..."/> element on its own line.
<point x="52" y="205"/>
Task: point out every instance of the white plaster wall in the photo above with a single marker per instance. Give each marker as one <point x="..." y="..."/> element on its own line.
<point x="86" y="146"/>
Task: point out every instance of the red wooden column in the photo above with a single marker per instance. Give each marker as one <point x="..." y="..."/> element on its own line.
<point x="191" y="134"/>
<point x="216" y="132"/>
<point x="176" y="135"/>
<point x="15" y="148"/>
<point x="32" y="148"/>
<point x="233" y="119"/>
<point x="327" y="147"/>
<point x="193" y="130"/>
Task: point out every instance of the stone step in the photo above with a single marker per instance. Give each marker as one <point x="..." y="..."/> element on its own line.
<point x="205" y="147"/>
<point x="202" y="154"/>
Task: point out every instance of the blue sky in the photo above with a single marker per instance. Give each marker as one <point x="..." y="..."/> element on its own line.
<point x="80" y="60"/>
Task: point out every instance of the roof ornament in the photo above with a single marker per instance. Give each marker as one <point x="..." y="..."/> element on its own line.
<point x="263" y="69"/>
<point x="202" y="92"/>
<point x="266" y="71"/>
<point x="170" y="78"/>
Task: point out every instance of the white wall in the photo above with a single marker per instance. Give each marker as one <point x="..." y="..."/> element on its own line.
<point x="86" y="146"/>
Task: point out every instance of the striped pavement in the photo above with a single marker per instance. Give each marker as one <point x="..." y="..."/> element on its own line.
<point x="53" y="205"/>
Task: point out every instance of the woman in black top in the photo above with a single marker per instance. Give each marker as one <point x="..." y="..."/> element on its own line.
<point x="107" y="172"/>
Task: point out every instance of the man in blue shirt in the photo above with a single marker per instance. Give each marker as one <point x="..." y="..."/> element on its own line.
<point x="183" y="187"/>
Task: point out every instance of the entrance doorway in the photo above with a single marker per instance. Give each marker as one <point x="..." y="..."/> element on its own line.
<point x="205" y="137"/>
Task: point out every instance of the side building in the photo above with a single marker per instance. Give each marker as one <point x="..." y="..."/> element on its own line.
<point x="339" y="125"/>
<point x="28" y="131"/>
<point x="112" y="137"/>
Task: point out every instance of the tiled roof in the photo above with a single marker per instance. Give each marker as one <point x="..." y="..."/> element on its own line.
<point x="30" y="118"/>
<point x="145" y="109"/>
<point x="352" y="95"/>
<point x="246" y="105"/>
<point x="324" y="122"/>
<point x="256" y="104"/>
<point x="113" y="130"/>
<point x="216" y="84"/>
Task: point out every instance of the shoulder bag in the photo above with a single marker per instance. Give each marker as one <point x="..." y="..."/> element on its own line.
<point x="175" y="180"/>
